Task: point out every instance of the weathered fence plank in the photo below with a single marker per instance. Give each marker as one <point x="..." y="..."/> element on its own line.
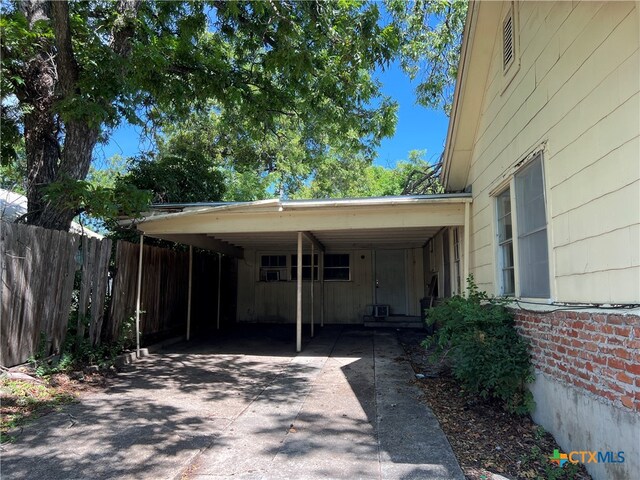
<point x="99" y="290"/>
<point x="87" y="245"/>
<point x="37" y="274"/>
<point x="163" y="294"/>
<point x="65" y="286"/>
<point x="38" y="270"/>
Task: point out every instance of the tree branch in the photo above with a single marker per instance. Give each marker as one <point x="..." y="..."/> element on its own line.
<point x="124" y="28"/>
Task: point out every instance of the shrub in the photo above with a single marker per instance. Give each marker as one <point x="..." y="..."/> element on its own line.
<point x="487" y="355"/>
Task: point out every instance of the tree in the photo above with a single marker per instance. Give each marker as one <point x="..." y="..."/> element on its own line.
<point x="431" y="34"/>
<point x="356" y="177"/>
<point x="74" y="70"/>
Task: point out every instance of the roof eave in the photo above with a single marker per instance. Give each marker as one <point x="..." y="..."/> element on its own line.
<point x="467" y="39"/>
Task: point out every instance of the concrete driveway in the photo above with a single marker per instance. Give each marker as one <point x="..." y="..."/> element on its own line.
<point x="246" y="407"/>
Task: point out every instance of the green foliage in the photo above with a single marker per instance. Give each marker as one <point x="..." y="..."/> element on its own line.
<point x="339" y="177"/>
<point x="488" y="356"/>
<point x="298" y="73"/>
<point x="98" y="201"/>
<point x="177" y="179"/>
<point x="291" y="84"/>
<point x="536" y="457"/>
<point x="24" y="401"/>
<point x="76" y="353"/>
<point x="431" y="34"/>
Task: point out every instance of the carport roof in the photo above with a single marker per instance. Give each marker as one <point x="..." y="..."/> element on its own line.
<point x="379" y="222"/>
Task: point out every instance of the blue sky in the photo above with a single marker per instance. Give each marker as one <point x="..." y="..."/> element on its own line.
<point x="418" y="128"/>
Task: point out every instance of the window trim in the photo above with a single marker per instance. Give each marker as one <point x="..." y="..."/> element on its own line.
<point x="324" y="268"/>
<point x="510" y="183"/>
<point x="293" y="265"/>
<point x="273" y="268"/>
<point x="500" y="244"/>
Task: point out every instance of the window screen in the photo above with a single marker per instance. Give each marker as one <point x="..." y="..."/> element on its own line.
<point x="533" y="254"/>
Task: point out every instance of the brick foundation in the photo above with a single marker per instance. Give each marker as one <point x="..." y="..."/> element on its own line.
<point x="594" y="351"/>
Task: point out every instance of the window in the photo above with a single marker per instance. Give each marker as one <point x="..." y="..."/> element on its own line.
<point x="336" y="266"/>
<point x="273" y="268"/>
<point x="505" y="244"/>
<point x="306" y="267"/>
<point x="533" y="253"/>
<point x="529" y="243"/>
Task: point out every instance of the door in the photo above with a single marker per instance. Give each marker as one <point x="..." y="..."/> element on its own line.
<point x="391" y="280"/>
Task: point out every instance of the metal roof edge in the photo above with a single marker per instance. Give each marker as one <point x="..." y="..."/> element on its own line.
<point x="192" y="209"/>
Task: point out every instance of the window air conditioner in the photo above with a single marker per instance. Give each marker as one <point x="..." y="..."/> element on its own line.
<point x="381" y="310"/>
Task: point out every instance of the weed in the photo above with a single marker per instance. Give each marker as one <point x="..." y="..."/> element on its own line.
<point x="24" y="401"/>
<point x="488" y="356"/>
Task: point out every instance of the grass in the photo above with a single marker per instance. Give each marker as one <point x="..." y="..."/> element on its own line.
<point x="23" y="401"/>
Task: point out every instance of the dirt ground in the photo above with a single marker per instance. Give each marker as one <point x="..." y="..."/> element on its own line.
<point x="486" y="439"/>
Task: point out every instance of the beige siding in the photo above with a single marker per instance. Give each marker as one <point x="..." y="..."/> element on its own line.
<point x="344" y="301"/>
<point x="576" y="92"/>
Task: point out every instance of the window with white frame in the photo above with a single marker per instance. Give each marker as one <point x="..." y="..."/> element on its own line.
<point x="306" y="267"/>
<point x="337" y="266"/>
<point x="273" y="268"/>
<point x="506" y="267"/>
<point x="529" y="242"/>
<point x="533" y="251"/>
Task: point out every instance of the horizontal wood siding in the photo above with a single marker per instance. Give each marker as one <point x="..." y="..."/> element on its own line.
<point x="577" y="89"/>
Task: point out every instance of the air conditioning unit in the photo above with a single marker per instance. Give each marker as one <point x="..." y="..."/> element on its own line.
<point x="381" y="310"/>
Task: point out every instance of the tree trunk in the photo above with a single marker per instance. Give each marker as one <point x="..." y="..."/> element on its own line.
<point x="52" y="75"/>
<point x="58" y="150"/>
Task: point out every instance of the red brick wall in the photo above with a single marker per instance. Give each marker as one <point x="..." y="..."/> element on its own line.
<point x="596" y="352"/>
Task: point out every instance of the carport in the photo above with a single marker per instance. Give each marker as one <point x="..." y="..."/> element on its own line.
<point x="382" y="226"/>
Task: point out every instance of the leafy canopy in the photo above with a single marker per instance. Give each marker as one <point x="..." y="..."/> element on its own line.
<point x="290" y="83"/>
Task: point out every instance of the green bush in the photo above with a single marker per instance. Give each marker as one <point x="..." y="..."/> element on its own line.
<point x="487" y="355"/>
<point x="77" y="353"/>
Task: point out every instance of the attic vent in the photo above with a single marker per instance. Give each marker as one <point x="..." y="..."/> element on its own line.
<point x="507" y="41"/>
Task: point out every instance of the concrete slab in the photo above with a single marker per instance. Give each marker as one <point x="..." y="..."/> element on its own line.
<point x="246" y="407"/>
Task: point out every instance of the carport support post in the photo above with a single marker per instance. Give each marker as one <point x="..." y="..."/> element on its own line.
<point x="299" y="296"/>
<point x="139" y="289"/>
<point x="467" y="233"/>
<point x="321" y="266"/>
<point x="219" y="280"/>
<point x="313" y="273"/>
<point x="189" y="294"/>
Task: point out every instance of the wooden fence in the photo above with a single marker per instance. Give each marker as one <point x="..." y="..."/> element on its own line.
<point x="38" y="273"/>
<point x="164" y="290"/>
<point x="40" y="268"/>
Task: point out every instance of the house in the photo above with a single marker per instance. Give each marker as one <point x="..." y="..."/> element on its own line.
<point x="368" y="254"/>
<point x="542" y="174"/>
<point x="544" y="132"/>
